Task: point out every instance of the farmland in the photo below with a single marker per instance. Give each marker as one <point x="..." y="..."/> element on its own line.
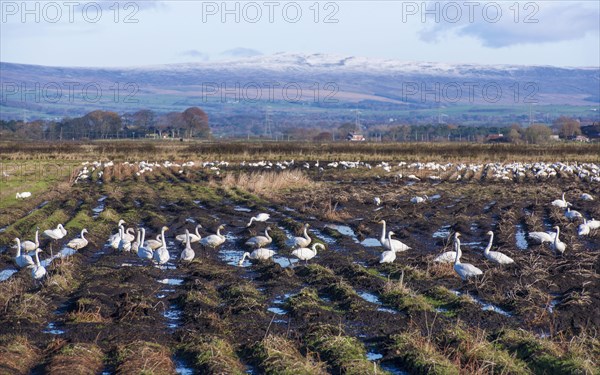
<point x="103" y="310"/>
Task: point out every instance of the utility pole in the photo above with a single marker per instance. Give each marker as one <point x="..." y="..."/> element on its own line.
<point x="268" y="123"/>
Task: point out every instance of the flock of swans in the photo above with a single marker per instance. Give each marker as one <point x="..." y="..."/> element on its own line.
<point x="433" y="171"/>
<point x="155" y="249"/>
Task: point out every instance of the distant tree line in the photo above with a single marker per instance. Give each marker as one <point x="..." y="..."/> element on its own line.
<point x="191" y="123"/>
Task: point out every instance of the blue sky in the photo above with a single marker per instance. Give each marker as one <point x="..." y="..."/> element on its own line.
<point x="559" y="33"/>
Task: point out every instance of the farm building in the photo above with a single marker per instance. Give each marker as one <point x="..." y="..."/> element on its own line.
<point x="355" y="137"/>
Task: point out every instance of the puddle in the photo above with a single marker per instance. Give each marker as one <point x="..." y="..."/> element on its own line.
<point x="100" y="208"/>
<point x="369" y="297"/>
<point x="38" y="207"/>
<point x="6" y="274"/>
<point x="276" y="310"/>
<point x="554" y="302"/>
<point x="489" y="205"/>
<point x="173" y="316"/>
<point x="322" y="236"/>
<point x="344" y="230"/>
<point x="281" y="300"/>
<point x="371" y="242"/>
<point x="3" y="229"/>
<point x="232" y="257"/>
<point x="485" y="306"/>
<point x="284" y="262"/>
<point x="171" y="281"/>
<point x="374" y="356"/>
<point x="190" y="220"/>
<point x="435" y="197"/>
<point x="474" y="227"/>
<point x="65" y="252"/>
<point x="392" y="369"/>
<point x="181" y="367"/>
<point x="51" y="328"/>
<point x="241" y="209"/>
<point x="387" y="310"/>
<point x="443" y="232"/>
<point x="289" y="209"/>
<point x="520" y="237"/>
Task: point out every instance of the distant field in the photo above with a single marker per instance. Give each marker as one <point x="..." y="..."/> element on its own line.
<point x="341" y="312"/>
<point x="123" y="150"/>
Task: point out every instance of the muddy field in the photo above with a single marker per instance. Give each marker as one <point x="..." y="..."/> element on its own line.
<point x="104" y="311"/>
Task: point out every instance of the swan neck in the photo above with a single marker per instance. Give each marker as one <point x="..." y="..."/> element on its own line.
<point x="306" y="233"/>
<point x="37" y="238"/>
<point x="458" y="252"/>
<point x="197" y="233"/>
<point x="18" y="247"/>
<point x="143" y="237"/>
<point x="489" y="246"/>
<point x="82" y="234"/>
<point x="383" y="231"/>
<point x="37" y="258"/>
<point x="267" y="235"/>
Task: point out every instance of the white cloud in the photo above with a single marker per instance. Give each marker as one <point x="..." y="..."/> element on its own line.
<point x="527" y="23"/>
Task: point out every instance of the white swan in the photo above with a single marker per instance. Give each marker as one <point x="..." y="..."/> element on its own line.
<point x="388" y="256"/>
<point x="23" y="195"/>
<point x="558" y="245"/>
<point x="78" y="243"/>
<point x="114" y="239"/>
<point x="307" y="254"/>
<point x="124" y="245"/>
<point x="188" y="254"/>
<point x="214" y="240"/>
<point x="260" y="241"/>
<point x="30" y="246"/>
<point x="418" y="199"/>
<point x="583" y="229"/>
<point x="464" y="270"/>
<point x="541" y="237"/>
<point x="155" y="244"/>
<point x="258" y="254"/>
<point x="143" y="251"/>
<point x="496" y="256"/>
<point x="260" y="217"/>
<point x="22" y="260"/>
<point x="194" y="237"/>
<point x="586" y="197"/>
<point x="448" y="256"/>
<point x="377" y="201"/>
<point x="593" y="224"/>
<point x="135" y="245"/>
<point x="57" y="233"/>
<point x="573" y="215"/>
<point x="303" y="241"/>
<point x="562" y="203"/>
<point x="129" y="237"/>
<point x="161" y="255"/>
<point x="38" y="271"/>
<point x="398" y="246"/>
